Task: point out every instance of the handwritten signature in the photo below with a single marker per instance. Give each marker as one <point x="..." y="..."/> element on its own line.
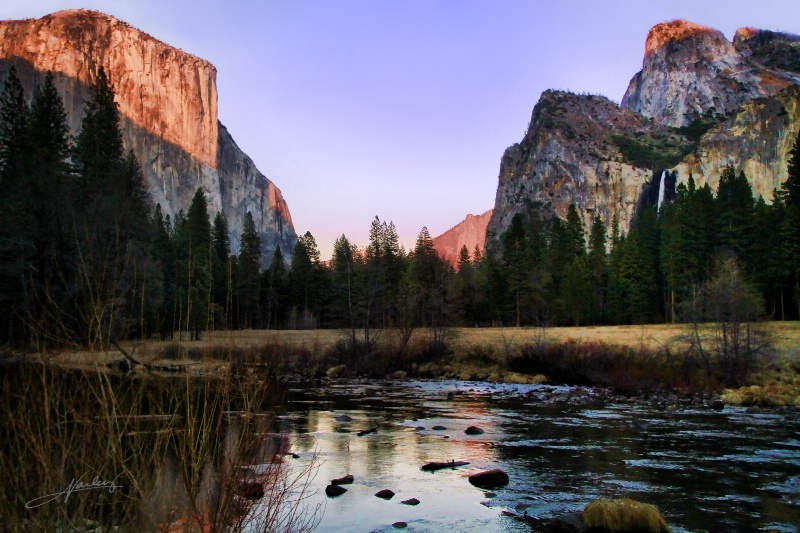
<point x="76" y="485"/>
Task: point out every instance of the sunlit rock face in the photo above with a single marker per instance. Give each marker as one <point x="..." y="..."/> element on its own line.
<point x="572" y="149"/>
<point x="756" y="139"/>
<point x="168" y="102"/>
<point x="470" y="232"/>
<point x="690" y="71"/>
<point x="569" y="155"/>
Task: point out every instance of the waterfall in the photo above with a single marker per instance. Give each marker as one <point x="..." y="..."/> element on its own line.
<point x="661" y="190"/>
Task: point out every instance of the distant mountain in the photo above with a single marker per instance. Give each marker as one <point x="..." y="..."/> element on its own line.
<point x="470" y="232"/>
<point x="168" y="103"/>
<point x="699" y="104"/>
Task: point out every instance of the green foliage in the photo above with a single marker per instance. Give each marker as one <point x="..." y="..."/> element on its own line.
<point x="653" y="152"/>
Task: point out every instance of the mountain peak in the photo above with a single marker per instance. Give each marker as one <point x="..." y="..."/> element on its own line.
<point x="675" y="31"/>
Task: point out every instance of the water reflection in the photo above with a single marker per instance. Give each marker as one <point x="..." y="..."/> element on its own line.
<point x="717" y="471"/>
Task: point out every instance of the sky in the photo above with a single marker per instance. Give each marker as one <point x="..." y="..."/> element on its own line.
<point x="402" y="109"/>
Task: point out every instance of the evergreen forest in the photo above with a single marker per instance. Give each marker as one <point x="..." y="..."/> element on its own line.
<point x="86" y="259"/>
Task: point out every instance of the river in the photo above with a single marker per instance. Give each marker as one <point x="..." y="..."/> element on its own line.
<point x="729" y="470"/>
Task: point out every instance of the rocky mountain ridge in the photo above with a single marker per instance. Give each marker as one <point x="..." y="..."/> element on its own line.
<point x="470" y="232"/>
<point x="168" y="106"/>
<point x="699" y="104"/>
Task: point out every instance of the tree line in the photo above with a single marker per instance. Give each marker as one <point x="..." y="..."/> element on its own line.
<point x="86" y="258"/>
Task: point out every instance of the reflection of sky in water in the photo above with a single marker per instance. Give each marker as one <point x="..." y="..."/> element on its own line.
<point x="693" y="464"/>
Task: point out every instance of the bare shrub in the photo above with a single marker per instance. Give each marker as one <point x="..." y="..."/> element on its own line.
<point x="179" y="452"/>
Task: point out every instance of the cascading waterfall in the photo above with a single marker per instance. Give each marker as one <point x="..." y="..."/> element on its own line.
<point x="661" y="189"/>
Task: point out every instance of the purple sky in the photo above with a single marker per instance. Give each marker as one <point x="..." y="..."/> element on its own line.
<point x="403" y="108"/>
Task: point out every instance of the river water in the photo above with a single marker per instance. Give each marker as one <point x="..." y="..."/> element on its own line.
<point x="729" y="470"/>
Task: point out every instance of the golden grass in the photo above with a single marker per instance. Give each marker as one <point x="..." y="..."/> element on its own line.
<point x="497" y="344"/>
<point x="624" y="515"/>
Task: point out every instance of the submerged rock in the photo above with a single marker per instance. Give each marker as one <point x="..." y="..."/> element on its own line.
<point x="439" y="428"/>
<point x="344" y="418"/>
<point x="489" y="478"/>
<point x="434" y="466"/>
<point x="568" y="523"/>
<point x="400" y="525"/>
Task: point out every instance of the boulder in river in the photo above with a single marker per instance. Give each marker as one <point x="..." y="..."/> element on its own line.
<point x="410" y="501"/>
<point x="400" y="525"/>
<point x="344" y="418"/>
<point x="625" y="516"/>
<point x="439" y="428"/>
<point x="474" y="430"/>
<point x="386" y="494"/>
<point x="346" y="480"/>
<point x="489" y="478"/>
<point x="717" y="405"/>
<point x="334" y="490"/>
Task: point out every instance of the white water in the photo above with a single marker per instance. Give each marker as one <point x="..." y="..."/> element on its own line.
<point x="661" y="190"/>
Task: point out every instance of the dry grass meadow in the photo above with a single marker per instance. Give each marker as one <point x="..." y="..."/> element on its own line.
<point x="785" y="339"/>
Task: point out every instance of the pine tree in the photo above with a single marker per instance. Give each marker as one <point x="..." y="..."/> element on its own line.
<point x="98" y="151"/>
<point x="516" y="257"/>
<point x="198" y="275"/>
<point x="598" y="267"/>
<point x="46" y="196"/>
<point x="249" y="273"/>
<point x="275" y="291"/>
<point x="306" y="283"/>
<point x="14" y="147"/>
<point x="221" y="269"/>
<point x="790" y="225"/>
<point x="735" y="213"/>
<point x="477" y="256"/>
<point x="346" y="299"/>
<point x="14" y="239"/>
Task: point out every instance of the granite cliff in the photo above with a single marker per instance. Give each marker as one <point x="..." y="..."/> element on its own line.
<point x="583" y="149"/>
<point x="168" y="105"/>
<point x="470" y="232"/>
<point x="691" y="71"/>
<point x="699" y="103"/>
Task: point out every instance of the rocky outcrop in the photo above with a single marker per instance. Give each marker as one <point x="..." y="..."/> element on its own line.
<point x="756" y="139"/>
<point x="769" y="48"/>
<point x="692" y="71"/>
<point x="578" y="150"/>
<point x="168" y="104"/>
<point x="740" y="101"/>
<point x="470" y="232"/>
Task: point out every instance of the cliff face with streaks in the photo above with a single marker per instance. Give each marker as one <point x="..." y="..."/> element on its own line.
<point x="470" y="232"/>
<point x="573" y="153"/>
<point x="168" y="103"/>
<point x="699" y="103"/>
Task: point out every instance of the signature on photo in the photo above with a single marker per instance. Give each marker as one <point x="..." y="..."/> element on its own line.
<point x="76" y="485"/>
